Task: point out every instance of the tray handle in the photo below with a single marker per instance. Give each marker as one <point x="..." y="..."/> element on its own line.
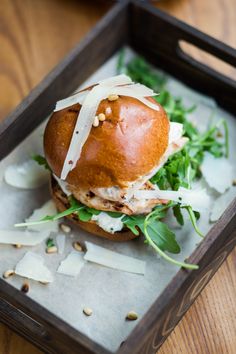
<point x="208" y="45"/>
<point x="161" y="36"/>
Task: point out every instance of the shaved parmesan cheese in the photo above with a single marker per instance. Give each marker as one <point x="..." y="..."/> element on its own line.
<point x="32" y="266"/>
<point x="110" y="259"/>
<point x="72" y="264"/>
<point x="61" y="242"/>
<point x="63" y="185"/>
<point x="137" y="91"/>
<point x="198" y="199"/>
<point x="108" y="223"/>
<point x="83" y="127"/>
<point x="80" y="96"/>
<point x="48" y="208"/>
<point x="28" y="175"/>
<point x="70" y="101"/>
<point x="222" y="203"/>
<point x="211" y="167"/>
<point x="116" y="80"/>
<point x="24" y="238"/>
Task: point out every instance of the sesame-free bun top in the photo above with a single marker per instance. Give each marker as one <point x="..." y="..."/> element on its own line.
<point x="124" y="147"/>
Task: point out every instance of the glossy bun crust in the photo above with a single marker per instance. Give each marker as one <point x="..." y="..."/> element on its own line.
<point x="62" y="204"/>
<point x="127" y="145"/>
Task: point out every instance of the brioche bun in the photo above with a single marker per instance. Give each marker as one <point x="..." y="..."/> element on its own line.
<point x="62" y="204"/>
<point x="127" y="145"/>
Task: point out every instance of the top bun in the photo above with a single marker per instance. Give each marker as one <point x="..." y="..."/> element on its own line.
<point x="124" y="147"/>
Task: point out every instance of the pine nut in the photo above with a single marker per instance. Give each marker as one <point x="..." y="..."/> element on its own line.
<point x="87" y="311"/>
<point x="65" y="228"/>
<point x="101" y="117"/>
<point x="8" y="273"/>
<point x="18" y="246"/>
<point x="132" y="316"/>
<point x="96" y="121"/>
<point x="77" y="246"/>
<point x="113" y="97"/>
<point x="25" y="288"/>
<point x="52" y="249"/>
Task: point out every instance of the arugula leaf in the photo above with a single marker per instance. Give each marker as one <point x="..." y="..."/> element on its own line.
<point x="120" y="66"/>
<point x="162" y="239"/>
<point x="162" y="236"/>
<point x="193" y="217"/>
<point x="41" y="161"/>
<point x="114" y="214"/>
<point x="84" y="215"/>
<point x="135" y="223"/>
<point x="50" y="243"/>
<point x="141" y="72"/>
<point x="178" y="214"/>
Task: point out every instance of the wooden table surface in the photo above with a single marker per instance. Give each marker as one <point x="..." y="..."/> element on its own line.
<point x="34" y="36"/>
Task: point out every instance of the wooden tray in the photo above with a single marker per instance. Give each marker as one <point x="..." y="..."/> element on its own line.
<point x="156" y="36"/>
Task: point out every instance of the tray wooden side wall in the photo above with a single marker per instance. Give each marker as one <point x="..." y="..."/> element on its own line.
<point x="155" y="35"/>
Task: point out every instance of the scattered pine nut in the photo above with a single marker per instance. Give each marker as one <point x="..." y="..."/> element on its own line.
<point x="65" y="228"/>
<point x="8" y="273"/>
<point x="113" y="97"/>
<point x="25" y="288"/>
<point x="96" y="121"/>
<point x="87" y="311"/>
<point x="101" y="117"/>
<point x="52" y="249"/>
<point x="234" y="182"/>
<point x="132" y="316"/>
<point x="77" y="246"/>
<point x="18" y="246"/>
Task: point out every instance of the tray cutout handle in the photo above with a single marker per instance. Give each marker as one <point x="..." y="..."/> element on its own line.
<point x="206" y="60"/>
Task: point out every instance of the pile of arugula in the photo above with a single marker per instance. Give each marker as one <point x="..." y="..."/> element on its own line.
<point x="180" y="170"/>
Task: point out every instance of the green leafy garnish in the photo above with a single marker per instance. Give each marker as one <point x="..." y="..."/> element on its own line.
<point x="80" y="210"/>
<point x="50" y="243"/>
<point x="157" y="233"/>
<point x="178" y="214"/>
<point x="41" y="161"/>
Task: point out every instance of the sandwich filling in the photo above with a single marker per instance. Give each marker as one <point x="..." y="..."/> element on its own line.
<point x="123" y="200"/>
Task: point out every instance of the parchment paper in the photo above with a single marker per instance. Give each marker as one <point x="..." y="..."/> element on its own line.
<point x="110" y="293"/>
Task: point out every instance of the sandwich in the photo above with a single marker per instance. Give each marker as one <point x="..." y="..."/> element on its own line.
<point x="106" y="162"/>
<point x="121" y="164"/>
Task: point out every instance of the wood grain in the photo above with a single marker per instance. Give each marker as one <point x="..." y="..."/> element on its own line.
<point x="34" y="36"/>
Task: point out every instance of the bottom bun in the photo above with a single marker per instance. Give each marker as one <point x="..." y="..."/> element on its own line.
<point x="62" y="204"/>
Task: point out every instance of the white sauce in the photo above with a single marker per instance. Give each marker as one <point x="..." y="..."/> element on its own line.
<point x="108" y="223"/>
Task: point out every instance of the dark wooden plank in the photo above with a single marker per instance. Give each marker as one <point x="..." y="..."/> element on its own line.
<point x="156" y="35"/>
